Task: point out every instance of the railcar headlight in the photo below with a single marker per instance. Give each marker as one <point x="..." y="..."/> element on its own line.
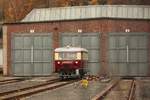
<point x="76" y="62"/>
<point x="58" y="62"/>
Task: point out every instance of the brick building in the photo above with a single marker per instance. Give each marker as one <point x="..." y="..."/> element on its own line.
<point x="117" y="37"/>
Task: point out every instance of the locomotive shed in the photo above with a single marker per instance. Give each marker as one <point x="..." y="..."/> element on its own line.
<point x="116" y="37"/>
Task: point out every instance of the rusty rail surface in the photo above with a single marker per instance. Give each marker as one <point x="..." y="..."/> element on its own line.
<point x="132" y="91"/>
<point x="33" y="90"/>
<point x="106" y="90"/>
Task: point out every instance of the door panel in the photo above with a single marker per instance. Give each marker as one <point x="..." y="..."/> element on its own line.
<point x="123" y="69"/>
<point x="47" y="70"/>
<point x="122" y="42"/>
<point x="38" y="56"/>
<point x="122" y="55"/>
<point x="47" y="56"/>
<point x="27" y="55"/>
<point x="18" y="56"/>
<point x="27" y="69"/>
<point x="113" y="57"/>
<point x="143" y="69"/>
<point x="134" y="69"/>
<point x="47" y="42"/>
<point x="18" y="69"/>
<point x="38" y="42"/>
<point x="143" y="56"/>
<point x="133" y="56"/>
<point x="32" y="54"/>
<point x="129" y="53"/>
<point x="38" y="69"/>
<point x="18" y="42"/>
<point x="27" y="43"/>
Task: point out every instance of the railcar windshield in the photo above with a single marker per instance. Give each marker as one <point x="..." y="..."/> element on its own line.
<point x="68" y="56"/>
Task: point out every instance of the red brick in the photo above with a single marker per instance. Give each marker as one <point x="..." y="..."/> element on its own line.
<point x="103" y="26"/>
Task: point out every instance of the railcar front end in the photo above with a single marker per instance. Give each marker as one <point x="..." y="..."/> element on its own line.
<point x="70" y="62"/>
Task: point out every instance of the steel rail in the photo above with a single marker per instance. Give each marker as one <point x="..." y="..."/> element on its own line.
<point x="33" y="90"/>
<point x="110" y="87"/>
<point x="4" y="80"/>
<point x="8" y="82"/>
<point x="132" y="91"/>
<point x="103" y="93"/>
<point x="29" y="87"/>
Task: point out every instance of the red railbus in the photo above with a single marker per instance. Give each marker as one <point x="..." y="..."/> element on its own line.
<point x="70" y="62"/>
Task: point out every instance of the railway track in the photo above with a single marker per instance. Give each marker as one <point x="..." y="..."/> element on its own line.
<point x="4" y="80"/>
<point x="21" y="93"/>
<point x="118" y="90"/>
<point x="8" y="81"/>
<point x="132" y="91"/>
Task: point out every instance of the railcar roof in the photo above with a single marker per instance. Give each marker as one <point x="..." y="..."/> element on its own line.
<point x="70" y="49"/>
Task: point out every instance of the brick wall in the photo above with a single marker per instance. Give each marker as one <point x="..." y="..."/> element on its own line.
<point x="103" y="26"/>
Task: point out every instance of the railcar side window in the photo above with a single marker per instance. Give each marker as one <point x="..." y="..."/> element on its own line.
<point x="85" y="55"/>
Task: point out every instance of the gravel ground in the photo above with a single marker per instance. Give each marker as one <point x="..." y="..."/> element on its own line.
<point x="143" y="90"/>
<point x="71" y="92"/>
<point x="24" y="84"/>
<point x="120" y="91"/>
